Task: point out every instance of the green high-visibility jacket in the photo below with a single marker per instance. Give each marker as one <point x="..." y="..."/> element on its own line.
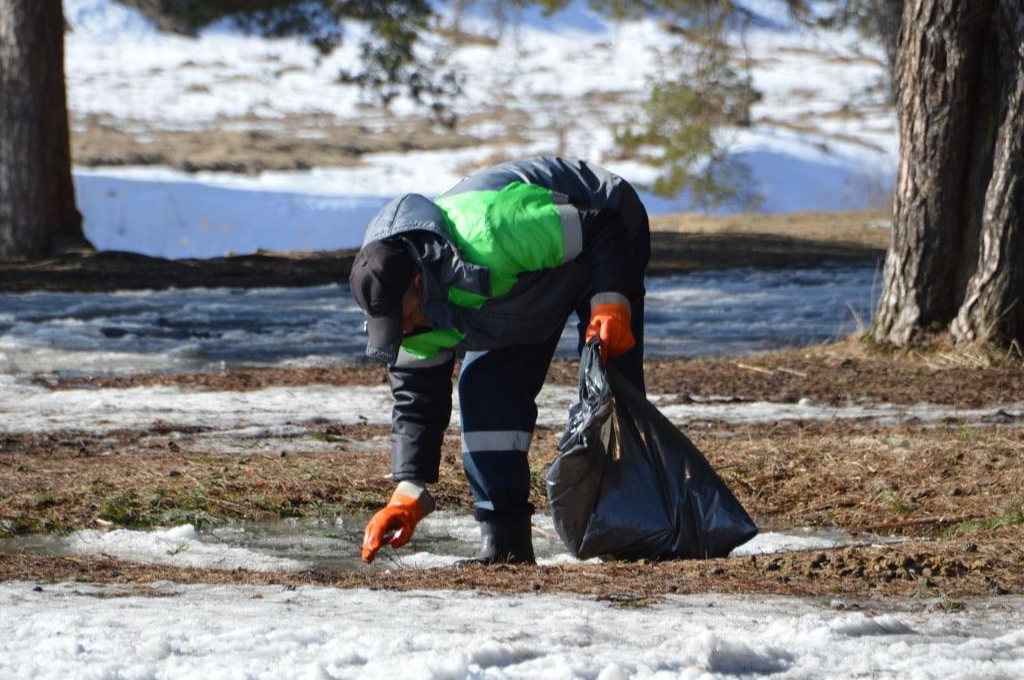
<point x="500" y="252"/>
<point x="501" y="260"/>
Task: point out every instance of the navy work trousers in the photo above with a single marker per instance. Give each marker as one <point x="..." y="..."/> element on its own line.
<point x="498" y="401"/>
<point x="497" y="404"/>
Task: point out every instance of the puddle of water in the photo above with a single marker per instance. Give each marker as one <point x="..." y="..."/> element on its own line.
<point x="440" y="540"/>
<point x="701" y="314"/>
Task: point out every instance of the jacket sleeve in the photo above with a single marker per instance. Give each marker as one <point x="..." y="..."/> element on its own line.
<point x="420" y="416"/>
<point x="608" y="253"/>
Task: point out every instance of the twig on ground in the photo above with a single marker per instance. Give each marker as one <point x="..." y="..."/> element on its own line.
<point x="758" y="369"/>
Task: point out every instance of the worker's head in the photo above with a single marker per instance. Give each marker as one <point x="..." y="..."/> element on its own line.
<point x="386" y="284"/>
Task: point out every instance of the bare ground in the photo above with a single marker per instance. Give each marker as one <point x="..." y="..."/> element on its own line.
<point x="680" y="244"/>
<point x="954" y="489"/>
<point x="251" y="146"/>
<point x="860" y="476"/>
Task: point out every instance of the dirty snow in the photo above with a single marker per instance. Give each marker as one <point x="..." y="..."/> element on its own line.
<point x="32" y="408"/>
<point x="215" y="632"/>
<point x="704" y="313"/>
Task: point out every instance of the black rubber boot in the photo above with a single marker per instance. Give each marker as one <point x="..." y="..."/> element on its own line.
<point x="505" y="540"/>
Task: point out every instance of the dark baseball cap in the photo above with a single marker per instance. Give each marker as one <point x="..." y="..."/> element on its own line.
<point x="380" y="276"/>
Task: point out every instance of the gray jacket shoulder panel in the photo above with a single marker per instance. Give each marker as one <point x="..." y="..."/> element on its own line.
<point x="586" y="185"/>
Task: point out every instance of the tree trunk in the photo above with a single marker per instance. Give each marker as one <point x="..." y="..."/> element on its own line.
<point x="993" y="309"/>
<point x="956" y="248"/>
<point x="37" y="200"/>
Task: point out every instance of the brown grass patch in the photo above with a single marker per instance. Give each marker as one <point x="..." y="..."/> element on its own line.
<point x="906" y="480"/>
<point x="267" y="145"/>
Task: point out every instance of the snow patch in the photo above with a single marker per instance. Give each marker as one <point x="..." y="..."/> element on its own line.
<point x="78" y="630"/>
<point x="179" y="546"/>
<point x="31" y="408"/>
<point x="768" y="412"/>
<point x="843" y="158"/>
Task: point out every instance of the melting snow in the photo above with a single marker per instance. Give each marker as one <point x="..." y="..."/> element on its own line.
<point x="30" y="408"/>
<point x="179" y="546"/>
<point x="291" y="545"/>
<point x="219" y="632"/>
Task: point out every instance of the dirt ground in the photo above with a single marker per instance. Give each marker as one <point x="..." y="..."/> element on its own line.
<point x="251" y="146"/>
<point x="953" y="488"/>
<point x="955" y="491"/>
<point x="680" y="244"/>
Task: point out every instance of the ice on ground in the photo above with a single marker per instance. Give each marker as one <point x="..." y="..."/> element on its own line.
<point x="215" y="632"/>
<point x="31" y="408"/>
<point x="440" y="540"/>
<point x="705" y="313"/>
<point x="796" y="540"/>
<point x="26" y="408"/>
<point x="768" y="412"/>
<point x="179" y="546"/>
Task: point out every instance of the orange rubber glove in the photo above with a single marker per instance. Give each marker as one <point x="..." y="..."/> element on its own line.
<point x="395" y="523"/>
<point x="609" y="322"/>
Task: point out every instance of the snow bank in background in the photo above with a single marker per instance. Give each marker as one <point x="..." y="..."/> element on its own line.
<point x="700" y="314"/>
<point x="98" y="20"/>
<point x="191" y="219"/>
<point x="821" y="137"/>
<point x="165" y="213"/>
<point x="179" y="546"/>
<point x="30" y="408"/>
<point x="83" y="631"/>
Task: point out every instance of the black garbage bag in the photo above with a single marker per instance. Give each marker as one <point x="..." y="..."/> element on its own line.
<point x="629" y="485"/>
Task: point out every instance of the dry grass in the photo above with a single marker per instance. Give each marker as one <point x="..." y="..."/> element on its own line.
<point x="903" y="480"/>
<point x="955" y="489"/>
<point x="292" y="143"/>
<point x="863" y="228"/>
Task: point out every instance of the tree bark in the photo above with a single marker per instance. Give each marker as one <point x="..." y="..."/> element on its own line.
<point x="956" y="246"/>
<point x="993" y="308"/>
<point x="37" y="200"/>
